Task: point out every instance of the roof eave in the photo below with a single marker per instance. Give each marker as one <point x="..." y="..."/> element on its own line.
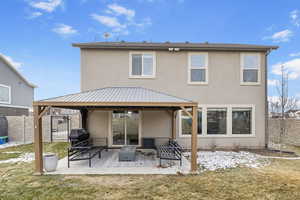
<point x="114" y="104"/>
<point x="17" y="72"/>
<point x="90" y="46"/>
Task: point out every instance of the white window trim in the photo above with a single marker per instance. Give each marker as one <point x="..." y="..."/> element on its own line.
<point x="180" y="124"/>
<point x="205" y="67"/>
<point x="242" y="69"/>
<point x="228" y="123"/>
<point x="153" y="67"/>
<point x="9" y="94"/>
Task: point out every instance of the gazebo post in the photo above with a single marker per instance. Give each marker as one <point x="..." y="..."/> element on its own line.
<point x="194" y="140"/>
<point x="38" y="140"/>
<point x="84" y="116"/>
<point x="174" y="124"/>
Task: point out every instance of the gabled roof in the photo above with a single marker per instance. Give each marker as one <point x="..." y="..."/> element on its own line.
<point x="16" y="71"/>
<point x="115" y="96"/>
<point x="180" y="45"/>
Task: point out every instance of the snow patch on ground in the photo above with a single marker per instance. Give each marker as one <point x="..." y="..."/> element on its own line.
<point x="11" y="144"/>
<point x="212" y="161"/>
<point x="26" y="157"/>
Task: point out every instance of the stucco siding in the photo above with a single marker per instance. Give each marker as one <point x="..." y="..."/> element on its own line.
<point x="98" y="125"/>
<point x="157" y="124"/>
<point x="107" y="68"/>
<point x="21" y="93"/>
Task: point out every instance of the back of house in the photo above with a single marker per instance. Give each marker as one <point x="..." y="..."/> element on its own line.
<point x="16" y="93"/>
<point x="227" y="80"/>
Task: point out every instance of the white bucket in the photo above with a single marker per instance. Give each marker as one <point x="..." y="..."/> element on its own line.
<point x="50" y="162"/>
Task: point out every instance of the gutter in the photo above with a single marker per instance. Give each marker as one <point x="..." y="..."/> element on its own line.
<point x="266" y="101"/>
<point x="180" y="49"/>
<point x="165" y="47"/>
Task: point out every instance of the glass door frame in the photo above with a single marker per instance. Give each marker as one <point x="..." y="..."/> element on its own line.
<point x="110" y="135"/>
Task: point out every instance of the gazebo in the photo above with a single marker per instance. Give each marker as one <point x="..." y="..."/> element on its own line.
<point x="115" y="98"/>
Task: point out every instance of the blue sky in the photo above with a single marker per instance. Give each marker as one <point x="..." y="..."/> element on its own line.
<point x="36" y="35"/>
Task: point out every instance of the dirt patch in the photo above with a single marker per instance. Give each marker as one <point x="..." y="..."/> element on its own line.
<point x="273" y="153"/>
<point x="113" y="180"/>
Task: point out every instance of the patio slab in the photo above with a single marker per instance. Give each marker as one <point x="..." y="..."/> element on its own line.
<point x="146" y="163"/>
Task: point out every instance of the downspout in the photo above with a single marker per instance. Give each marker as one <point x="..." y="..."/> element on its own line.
<point x="266" y="101"/>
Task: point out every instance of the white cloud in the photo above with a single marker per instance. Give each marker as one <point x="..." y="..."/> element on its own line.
<point x="14" y="63"/>
<point x="112" y="22"/>
<point x="47" y="5"/>
<point x="272" y="82"/>
<point x="64" y="30"/>
<point x="145" y="22"/>
<point x="281" y="36"/>
<point x="294" y="16"/>
<point x="120" y="10"/>
<point x="120" y="20"/>
<point x="292" y="67"/>
<point x="295" y="54"/>
<point x="35" y="15"/>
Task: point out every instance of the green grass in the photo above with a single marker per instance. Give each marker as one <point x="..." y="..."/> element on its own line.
<point x="6" y="156"/>
<point x="280" y="180"/>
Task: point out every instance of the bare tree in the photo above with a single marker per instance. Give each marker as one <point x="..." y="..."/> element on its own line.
<point x="284" y="102"/>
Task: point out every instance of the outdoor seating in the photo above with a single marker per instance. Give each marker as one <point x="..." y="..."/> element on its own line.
<point x="84" y="150"/>
<point x="82" y="147"/>
<point x="170" y="151"/>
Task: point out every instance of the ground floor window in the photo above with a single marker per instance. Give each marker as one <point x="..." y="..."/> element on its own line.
<point x="220" y="120"/>
<point x="241" y="120"/>
<point x="216" y="121"/>
<point x="186" y="122"/>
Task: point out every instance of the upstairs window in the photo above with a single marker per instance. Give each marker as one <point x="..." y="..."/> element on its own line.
<point x="198" y="68"/>
<point x="142" y="65"/>
<point x="4" y="94"/>
<point x="250" y="68"/>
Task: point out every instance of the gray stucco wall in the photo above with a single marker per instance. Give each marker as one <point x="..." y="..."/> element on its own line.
<point x="21" y="93"/>
<point x="8" y="111"/>
<point x="290" y="137"/>
<point x="20" y="128"/>
<point x="107" y="68"/>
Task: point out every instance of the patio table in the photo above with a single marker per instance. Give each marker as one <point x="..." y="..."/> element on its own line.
<point x="127" y="153"/>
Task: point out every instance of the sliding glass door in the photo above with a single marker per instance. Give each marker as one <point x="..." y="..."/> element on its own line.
<point x="125" y="128"/>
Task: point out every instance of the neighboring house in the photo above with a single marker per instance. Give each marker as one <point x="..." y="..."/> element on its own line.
<point x="16" y="93"/>
<point x="294" y="114"/>
<point x="274" y="115"/>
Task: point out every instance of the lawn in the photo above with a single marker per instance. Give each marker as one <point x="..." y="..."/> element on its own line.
<point x="280" y="180"/>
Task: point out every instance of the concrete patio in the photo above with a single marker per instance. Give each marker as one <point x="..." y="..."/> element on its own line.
<point x="146" y="163"/>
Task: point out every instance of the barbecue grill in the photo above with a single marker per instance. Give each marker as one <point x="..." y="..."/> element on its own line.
<point x="78" y="135"/>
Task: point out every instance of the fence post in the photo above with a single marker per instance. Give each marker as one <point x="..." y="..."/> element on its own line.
<point x="24" y="127"/>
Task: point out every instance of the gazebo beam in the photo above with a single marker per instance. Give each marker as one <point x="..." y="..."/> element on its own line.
<point x="194" y="140"/>
<point x="38" y="140"/>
